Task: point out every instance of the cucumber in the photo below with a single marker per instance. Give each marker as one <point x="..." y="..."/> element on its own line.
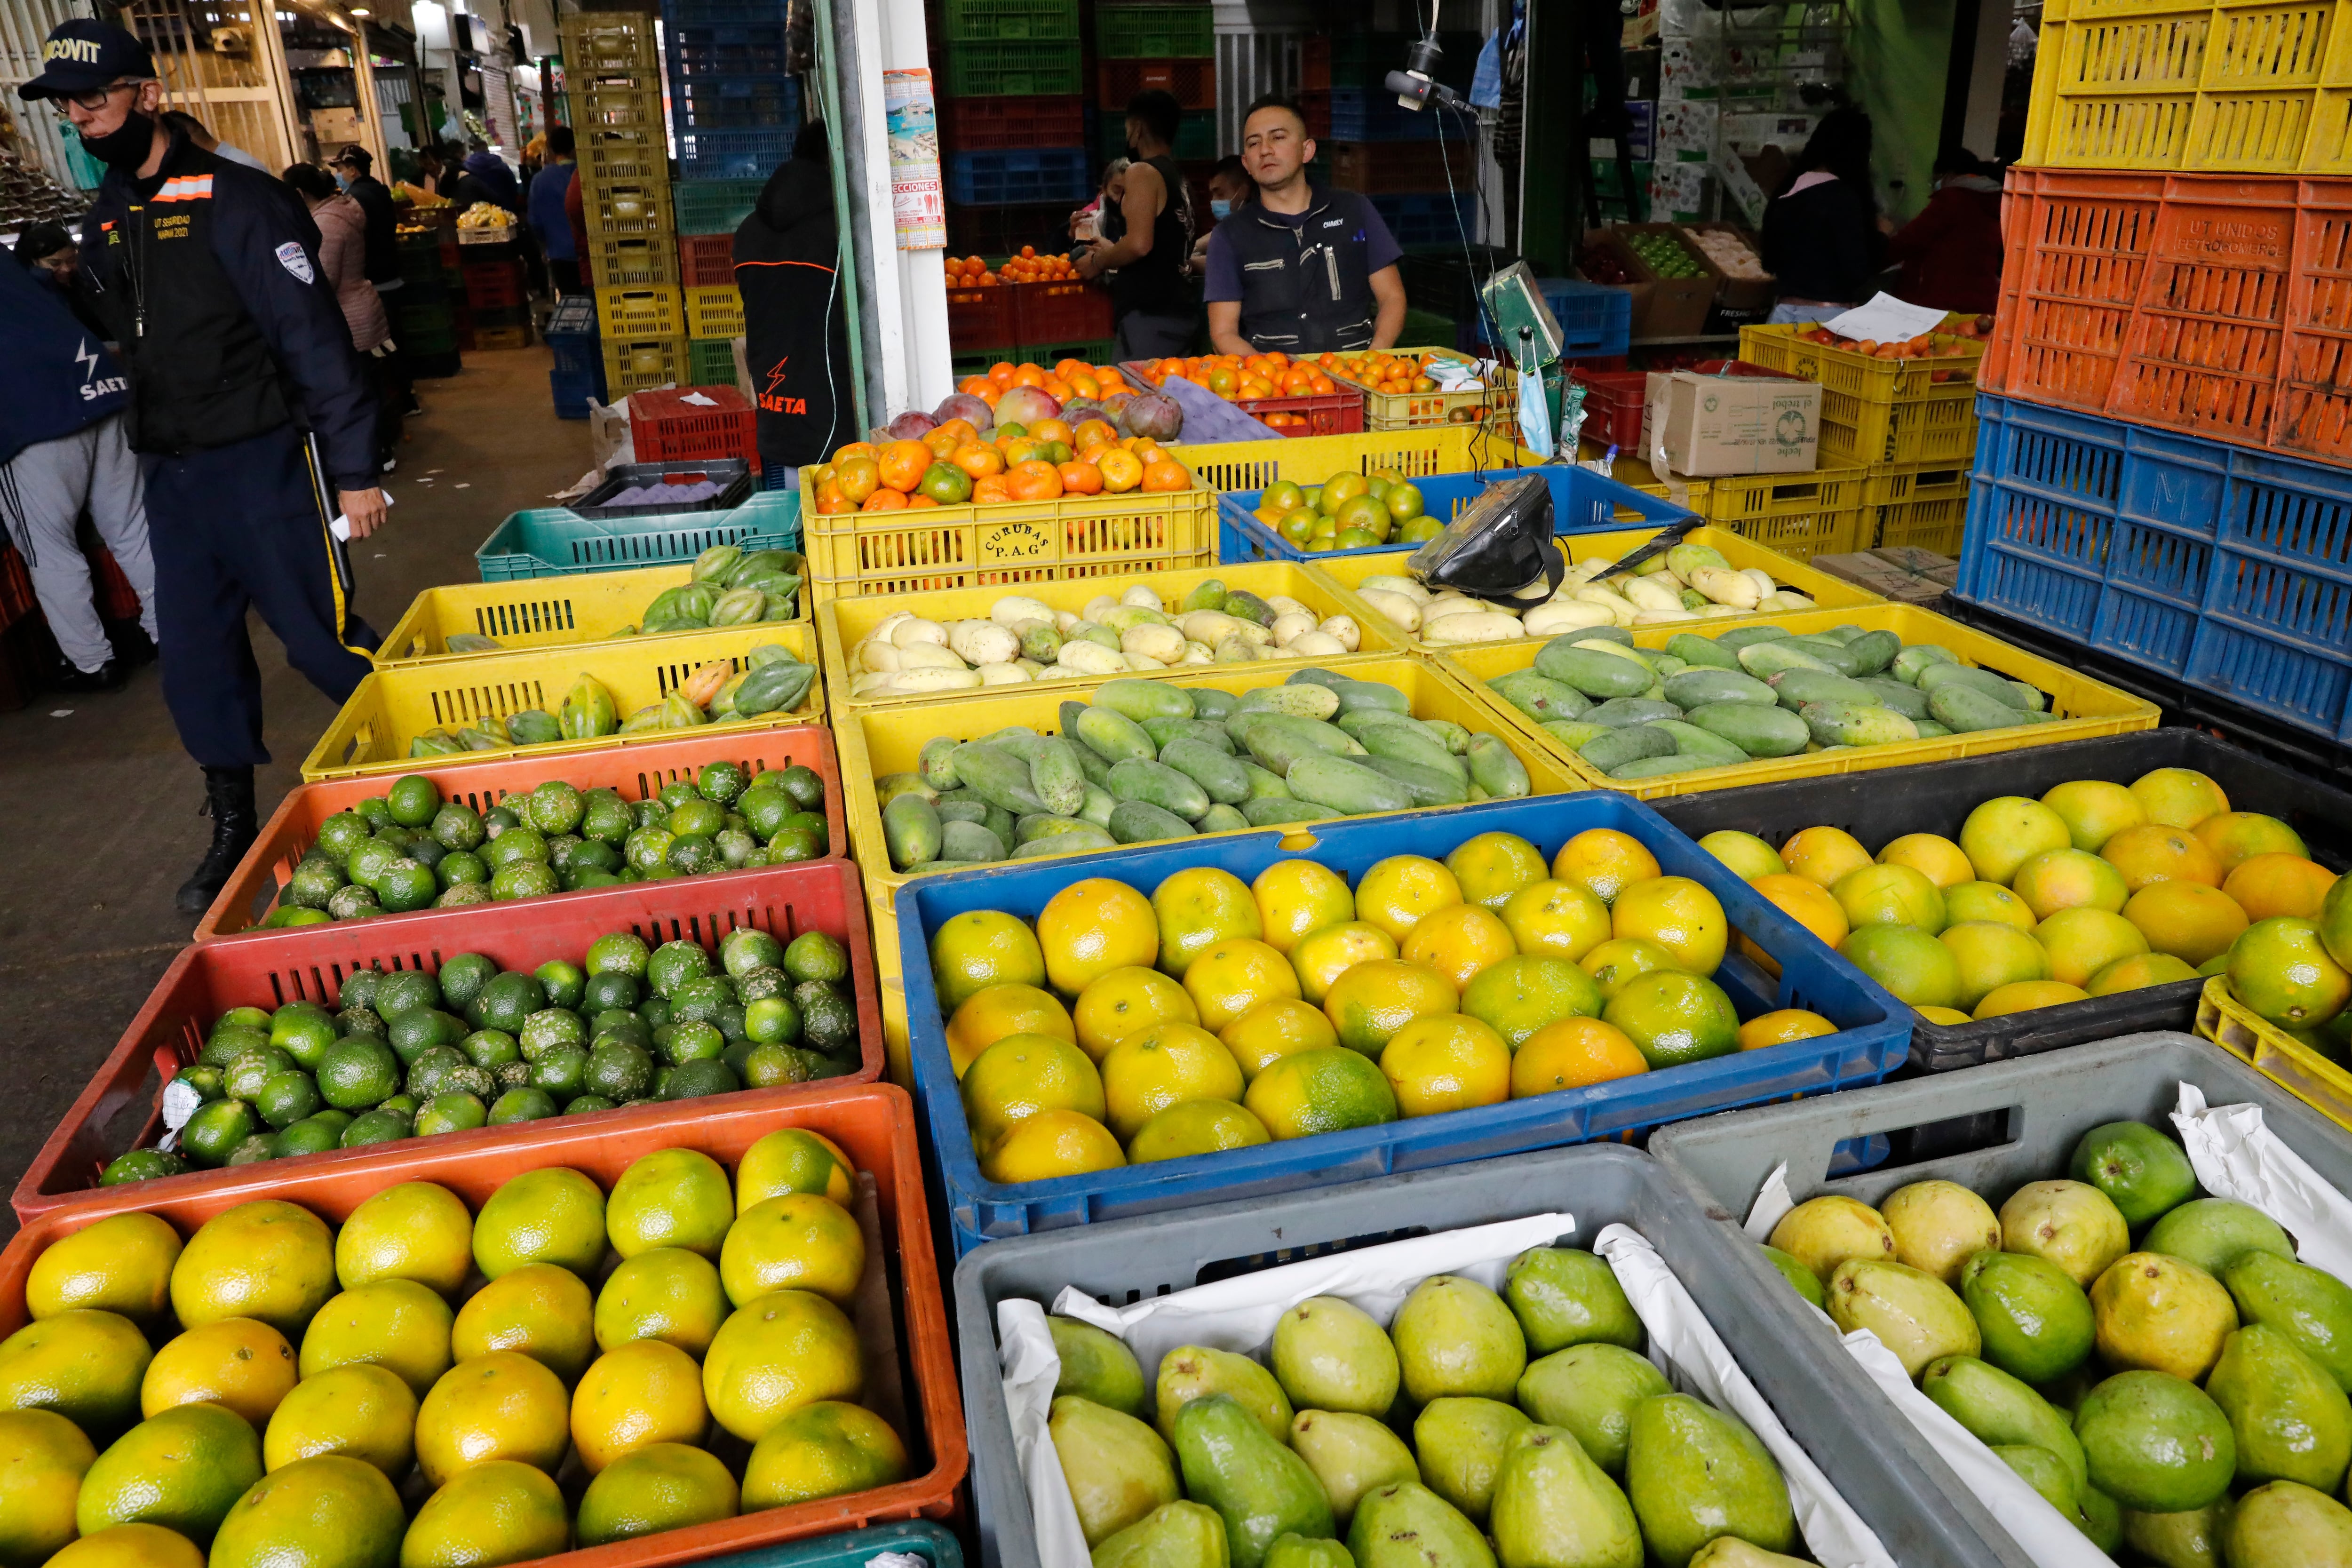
<point x="891" y="786"/>
<point x="1963" y="710"/>
<point x="912" y="830"/>
<point x="1574" y="734"/>
<point x="1408" y="746"/>
<point x="1345" y="786"/>
<point x="1837" y="723"/>
<point x="1917" y="658"/>
<point x="1654" y="767"/>
<point x="1764" y="660"/>
<point x="1010" y="738"/>
<point x="1840" y="635"/>
<point x="1045" y="824"/>
<point x="969" y="841"/>
<point x="965" y="810"/>
<point x="1263" y="785"/>
<point x="1091" y="763"/>
<point x="1267" y="811"/>
<point x="1428" y="786"/>
<point x="1223" y="818"/>
<point x="1140" y="822"/>
<point x="1591" y="672"/>
<point x="1929" y="729"/>
<point x="1619" y="711"/>
<point x="1099" y="805"/>
<point x="1054" y="774"/>
<point x="1759" y="732"/>
<point x="1001" y="823"/>
<point x="1829" y="651"/>
<point x="1739" y="638"/>
<point x="1214" y="771"/>
<point x="1141" y="699"/>
<point x="1276" y="740"/>
<point x="1163" y="730"/>
<point x="1935" y="678"/>
<point x="1160" y="785"/>
<point x="929" y="866"/>
<point x="1364" y="719"/>
<point x="1690" y="740"/>
<point x="1359" y="694"/>
<point x="1456" y="738"/>
<point x="1539" y="697"/>
<point x="1211" y="705"/>
<point x="936" y="764"/>
<point x="1792" y="688"/>
<point x="1612" y="751"/>
<point x="1113" y="736"/>
<point x="1083" y="839"/>
<point x="1874" y="651"/>
<point x="1496" y="770"/>
<point x="1695" y="649"/>
<point x="1304" y="701"/>
<point x="1602" y="634"/>
<point x="1313" y="674"/>
<point x="1697" y="687"/>
<point x="1071" y="712"/>
<point x="1907" y="700"/>
<point x="997" y="776"/>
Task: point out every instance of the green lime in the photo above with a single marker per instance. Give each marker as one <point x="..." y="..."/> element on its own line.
<point x="771" y="1021"/>
<point x="378" y="1126"/>
<point x="457" y="826"/>
<point x="677" y="793"/>
<point x="401" y="1105"/>
<point x="595" y="855"/>
<point x="699" y="1001"/>
<point x="288" y="916"/>
<point x="314" y="882"/>
<point x="524" y="879"/>
<point x="619" y="1070"/>
<point x="562" y="1070"/>
<point x="757" y="984"/>
<point x="816" y="956"/>
<point x="412" y="1034"/>
<point x="811" y="821"/>
<point x="406" y="885"/>
<point x="342" y="833"/>
<point x="648" y="848"/>
<point x="516" y="842"/>
<point x="498" y="818"/>
<point x="303" y="1032"/>
<point x="428" y="1075"/>
<point x="244" y="1077"/>
<point x="253" y="1150"/>
<point x="674" y="963"/>
<point x="828" y="1022"/>
<point x="737" y="849"/>
<point x="765" y="810"/>
<point x="548" y="1027"/>
<point x="522" y="1105"/>
<point x="693" y="1043"/>
<point x="397" y="994"/>
<point x="462" y="977"/>
<point x="311" y="1135"/>
<point x="619" y="1026"/>
<point x="805" y="786"/>
<point x="617" y="952"/>
<point x="608" y="818"/>
<point x="692" y="854"/>
<point x="456" y="1112"/>
<point x="142" y="1165"/>
<point x="556" y="807"/>
<point x="355" y="902"/>
<point x="720" y="781"/>
<point x="607" y="993"/>
<point x="692" y="1081"/>
<point x="229" y="1041"/>
<point x="427" y="851"/>
<point x="696" y="817"/>
<point x="748" y="948"/>
<point x="648" y="813"/>
<point x="490" y="1048"/>
<point x="358" y="1074"/>
<point x="376" y="814"/>
<point x="359" y="1021"/>
<point x="205" y="1080"/>
<point x="412" y="800"/>
<point x="212" y="1133"/>
<point x="288" y="1097"/>
<point x="794" y="843"/>
<point x="463" y="868"/>
<point x="654" y="1012"/>
<point x="581" y="1104"/>
<point x="564" y="983"/>
<point x="773" y="1066"/>
<point x="510" y="999"/>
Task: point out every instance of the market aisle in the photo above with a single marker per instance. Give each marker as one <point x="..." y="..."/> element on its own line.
<point x="98" y="803"/>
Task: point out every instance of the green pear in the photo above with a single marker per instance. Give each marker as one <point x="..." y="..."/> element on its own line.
<point x="2162" y="1314"/>
<point x="1349" y="1454"/>
<point x="1821" y="1233"/>
<point x="1258" y="1487"/>
<point x="1099" y="1367"/>
<point x="1914" y="1314"/>
<point x="1461" y="1442"/>
<point x="2213" y="1233"/>
<point x="1453" y="1336"/>
<point x="2311" y="1308"/>
<point x="1299" y="1552"/>
<point x="2291" y="1421"/>
<point x="2287" y="1525"/>
<point x="1730" y="1551"/>
<point x="2187" y="1540"/>
<point x="1553" y="1508"/>
<point x="1591" y="1391"/>
<point x="1173" y="1535"/>
<point x="2143" y="1172"/>
<point x="2033" y="1320"/>
<point x="1118" y="1468"/>
<point x="1194" y="1371"/>
<point x="2072" y="1223"/>
<point x="1694" y="1472"/>
<point x="1564" y="1296"/>
<point x="2041" y="1469"/>
<point x="1936" y="1226"/>
<point x="1998" y="1409"/>
<point x="1801" y="1279"/>
<point x="2156" y="1444"/>
<point x="1328" y="1356"/>
<point x="1406" y="1525"/>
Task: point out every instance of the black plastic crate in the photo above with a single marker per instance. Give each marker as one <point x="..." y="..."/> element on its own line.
<point x="1937" y="797"/>
<point x="731" y="474"/>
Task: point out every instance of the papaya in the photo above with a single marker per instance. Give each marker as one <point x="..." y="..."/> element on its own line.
<point x="1590" y="671"/>
<point x="587" y="711"/>
<point x="1654" y="767"/>
<point x="533" y="726"/>
<point x="997" y="776"/>
<point x="968" y="841"/>
<point x="1697" y="687"/>
<point x="1081" y="837"/>
<point x="936" y="763"/>
<point x="1112" y="735"/>
<point x="680" y="711"/>
<point x="1412" y="746"/>
<point x="1497" y="769"/>
<point x="1964" y="709"/>
<point x="1836" y="723"/>
<point x="1872" y="652"/>
<point x="1694" y="649"/>
<point x="1140" y="699"/>
<point x="1428" y="786"/>
<point x="703" y="685"/>
<point x="1739" y="638"/>
<point x="1792" y="688"/>
<point x="1907" y="700"/>
<point x="1690" y="740"/>
<point x="1299" y="700"/>
<point x="1160" y="786"/>
<point x="1539" y="697"/>
<point x="1619" y="711"/>
<point x="1829" y="651"/>
<point x="1215" y="771"/>
<point x="1270" y="811"/>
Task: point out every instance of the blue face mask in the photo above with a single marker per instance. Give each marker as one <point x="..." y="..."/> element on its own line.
<point x="1223" y="209"/>
<point x="343" y="180"/>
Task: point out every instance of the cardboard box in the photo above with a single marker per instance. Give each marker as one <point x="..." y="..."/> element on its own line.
<point x="1686" y="130"/>
<point x="1677" y="306"/>
<point x="1903" y="573"/>
<point x="1736" y="295"/>
<point x="1747" y="420"/>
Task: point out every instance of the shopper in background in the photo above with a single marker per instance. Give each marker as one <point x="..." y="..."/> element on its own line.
<point x="1951" y="252"/>
<point x="396" y="393"/>
<point x="247" y="404"/>
<point x="1085" y="224"/>
<point x="550" y="188"/>
<point x="193" y="129"/>
<point x="497" y="178"/>
<point x="459" y="182"/>
<point x="1148" y="236"/>
<point x="62" y="451"/>
<point x="342" y="260"/>
<point x="1229" y="187"/>
<point x="795" y="321"/>
<point x="1823" y="238"/>
<point x="1300" y="270"/>
<point x="48" y="252"/>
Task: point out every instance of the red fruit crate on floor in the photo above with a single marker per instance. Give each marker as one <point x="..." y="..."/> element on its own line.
<point x="1070" y="310"/>
<point x="117" y="599"/>
<point x="1612" y="405"/>
<point x="310" y="964"/>
<point x="16" y="600"/>
<point x="664" y="425"/>
<point x="1194" y="82"/>
<point x="705" y="260"/>
<point x="1008" y="124"/>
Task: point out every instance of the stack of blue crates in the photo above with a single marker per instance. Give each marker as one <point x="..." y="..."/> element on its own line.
<point x="579" y="373"/>
<point x="733" y="104"/>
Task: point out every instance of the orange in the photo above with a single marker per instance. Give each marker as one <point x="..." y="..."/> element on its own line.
<point x="1779" y="1028"/>
<point x="1274" y="1029"/>
<point x="1491" y="867"/>
<point x="1322" y="956"/>
<point x="1807" y="903"/>
<point x="1622" y="960"/>
<point x="2236" y="837"/>
<point x="1022" y="1075"/>
<point x="2140" y="969"/>
<point x="987" y="1017"/>
<point x="2268" y="885"/>
<point x="1889" y="895"/>
<point x="981" y="462"/>
<point x="1233" y="977"/>
<point x="1605" y="862"/>
<point x="2025" y="996"/>
<point x="980" y="948"/>
<point x="1566" y="920"/>
<point x="1572" y="1054"/>
<point x="902" y="463"/>
<point x="2154" y="853"/>
<point x="1052" y="1143"/>
<point x="1124" y="1001"/>
<point x="1166" y="475"/>
<point x="1079" y="478"/>
<point x="1523" y="995"/>
<point x="1171" y="1065"/>
<point x="1446" y="1063"/>
<point x="1033" y="479"/>
<point x="2095" y="810"/>
<point x="2081" y="942"/>
<point x="1823" y="855"/>
<point x="2004" y="832"/>
<point x="1196" y="908"/>
<point x="1678" y="914"/>
<point x="2069" y="878"/>
<point x="2283" y="970"/>
<point x="2178" y="797"/>
<point x="1748" y="855"/>
<point x="1296" y="897"/>
<point x="1121" y="470"/>
<point x="857" y="479"/>
<point x="2187" y="919"/>
<point x="1990" y="955"/>
<point x="1935" y="858"/>
<point x="1095" y="926"/>
<point x="1459" y="941"/>
<point x="238" y="1362"/>
<point x="1395" y="893"/>
<point x="886" y="499"/>
<point x="1372" y="1001"/>
<point x="1986" y="902"/>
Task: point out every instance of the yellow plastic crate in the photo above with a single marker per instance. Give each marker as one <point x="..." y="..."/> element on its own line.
<point x="1497" y="404"/>
<point x="2218" y="88"/>
<point x="2085" y="707"/>
<point x="536" y="612"/>
<point x="1311" y="459"/>
<point x="714" y="310"/>
<point x="1862" y="375"/>
<point x="922" y="550"/>
<point x="1925" y="505"/>
<point x="842" y="623"/>
<point x="875" y="742"/>
<point x="636" y="364"/>
<point x="598" y="43"/>
<point x="2237" y="1028"/>
<point x="1930" y="429"/>
<point x="1799" y="515"/>
<point x="650" y="310"/>
<point x="1349" y="571"/>
<point x="392" y="707"/>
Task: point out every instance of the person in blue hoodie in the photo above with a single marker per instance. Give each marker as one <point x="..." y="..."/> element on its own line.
<point x="62" y="450"/>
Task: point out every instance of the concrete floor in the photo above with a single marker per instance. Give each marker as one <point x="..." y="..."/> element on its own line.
<point x="100" y="805"/>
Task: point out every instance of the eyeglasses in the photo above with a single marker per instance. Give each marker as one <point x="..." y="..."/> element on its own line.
<point x="91" y="103"/>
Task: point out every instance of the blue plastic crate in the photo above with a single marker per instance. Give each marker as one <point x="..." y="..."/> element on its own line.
<point x="854" y="1549"/>
<point x="2225" y="568"/>
<point x="1371" y="114"/>
<point x="732" y="154"/>
<point x="573" y="338"/>
<point x="704" y="50"/>
<point x="735" y="102"/>
<point x="556" y="541"/>
<point x="572" y="391"/>
<point x="1004" y="179"/>
<point x="1429" y="221"/>
<point x="1582" y="502"/>
<point x="1874" y="1034"/>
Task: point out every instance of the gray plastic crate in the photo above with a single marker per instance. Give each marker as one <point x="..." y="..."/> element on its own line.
<point x="1815" y="1389"/>
<point x="2036" y="1108"/>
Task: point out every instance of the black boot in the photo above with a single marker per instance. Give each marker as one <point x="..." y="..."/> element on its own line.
<point x="228" y="801"/>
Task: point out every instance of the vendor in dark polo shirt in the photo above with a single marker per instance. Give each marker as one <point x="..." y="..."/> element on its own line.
<point x="1302" y="270"/>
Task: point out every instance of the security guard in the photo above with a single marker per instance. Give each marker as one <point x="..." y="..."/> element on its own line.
<point x="248" y="406"/>
<point x="1302" y="270"/>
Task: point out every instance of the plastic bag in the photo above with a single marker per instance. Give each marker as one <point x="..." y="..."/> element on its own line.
<point x="1500" y="548"/>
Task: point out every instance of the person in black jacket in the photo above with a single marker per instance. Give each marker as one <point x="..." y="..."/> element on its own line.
<point x="351" y="170"/>
<point x="795" y="322"/>
<point x="1823" y="238"/>
<point x="248" y="406"/>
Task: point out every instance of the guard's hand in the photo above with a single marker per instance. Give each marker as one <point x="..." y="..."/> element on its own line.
<point x="365" y="510"/>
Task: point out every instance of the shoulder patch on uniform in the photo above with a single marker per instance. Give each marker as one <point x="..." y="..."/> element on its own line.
<point x="296" y="261"/>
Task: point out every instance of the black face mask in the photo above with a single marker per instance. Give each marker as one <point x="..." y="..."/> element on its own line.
<point x="126" y="146"/>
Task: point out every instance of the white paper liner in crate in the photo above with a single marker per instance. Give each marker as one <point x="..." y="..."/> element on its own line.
<point x="1240" y="1314"/>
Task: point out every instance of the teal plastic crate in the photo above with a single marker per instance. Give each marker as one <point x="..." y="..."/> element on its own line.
<point x="714" y="206"/>
<point x="1124" y="32"/>
<point x="854" y="1549"/>
<point x="555" y="541"/>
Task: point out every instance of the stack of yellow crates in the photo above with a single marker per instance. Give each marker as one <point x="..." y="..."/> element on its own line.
<point x="615" y="78"/>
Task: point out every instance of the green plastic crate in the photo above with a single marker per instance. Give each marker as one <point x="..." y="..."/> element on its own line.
<point x="1154" y="32"/>
<point x="714" y="206"/>
<point x="1426" y="327"/>
<point x="996" y="21"/>
<point x="1026" y="69"/>
<point x="1048" y="354"/>
<point x="710" y="362"/>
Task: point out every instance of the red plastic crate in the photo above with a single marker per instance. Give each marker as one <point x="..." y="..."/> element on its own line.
<point x="1067" y="311"/>
<point x="638" y="772"/>
<point x="664" y="426"/>
<point x="16" y="600"/>
<point x="1334" y="414"/>
<point x="308" y="963"/>
<point x="1010" y="124"/>
<point x="117" y="599"/>
<point x="1194" y="82"/>
<point x="1612" y="405"/>
<point x="874" y="1125"/>
<point x="1315" y="108"/>
<point x="495" y="286"/>
<point x="1315" y="63"/>
<point x="705" y="260"/>
<point x="982" y="316"/>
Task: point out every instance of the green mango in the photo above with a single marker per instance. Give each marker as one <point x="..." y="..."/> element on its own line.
<point x="1801" y="1279"/>
<point x="2034" y="1322"/>
<point x="2213" y="1233"/>
<point x="2192" y="1539"/>
<point x="1453" y="1336"/>
<point x="1566" y="1296"/>
<point x="2312" y="1308"/>
<point x="1999" y="1409"/>
<point x="1591" y="1390"/>
<point x="1190" y="1372"/>
<point x="1350" y="1454"/>
<point x="1117" y="1468"/>
<point x="2288" y="1525"/>
<point x="1329" y="1355"/>
<point x="1299" y="1552"/>
<point x="2156" y="1444"/>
